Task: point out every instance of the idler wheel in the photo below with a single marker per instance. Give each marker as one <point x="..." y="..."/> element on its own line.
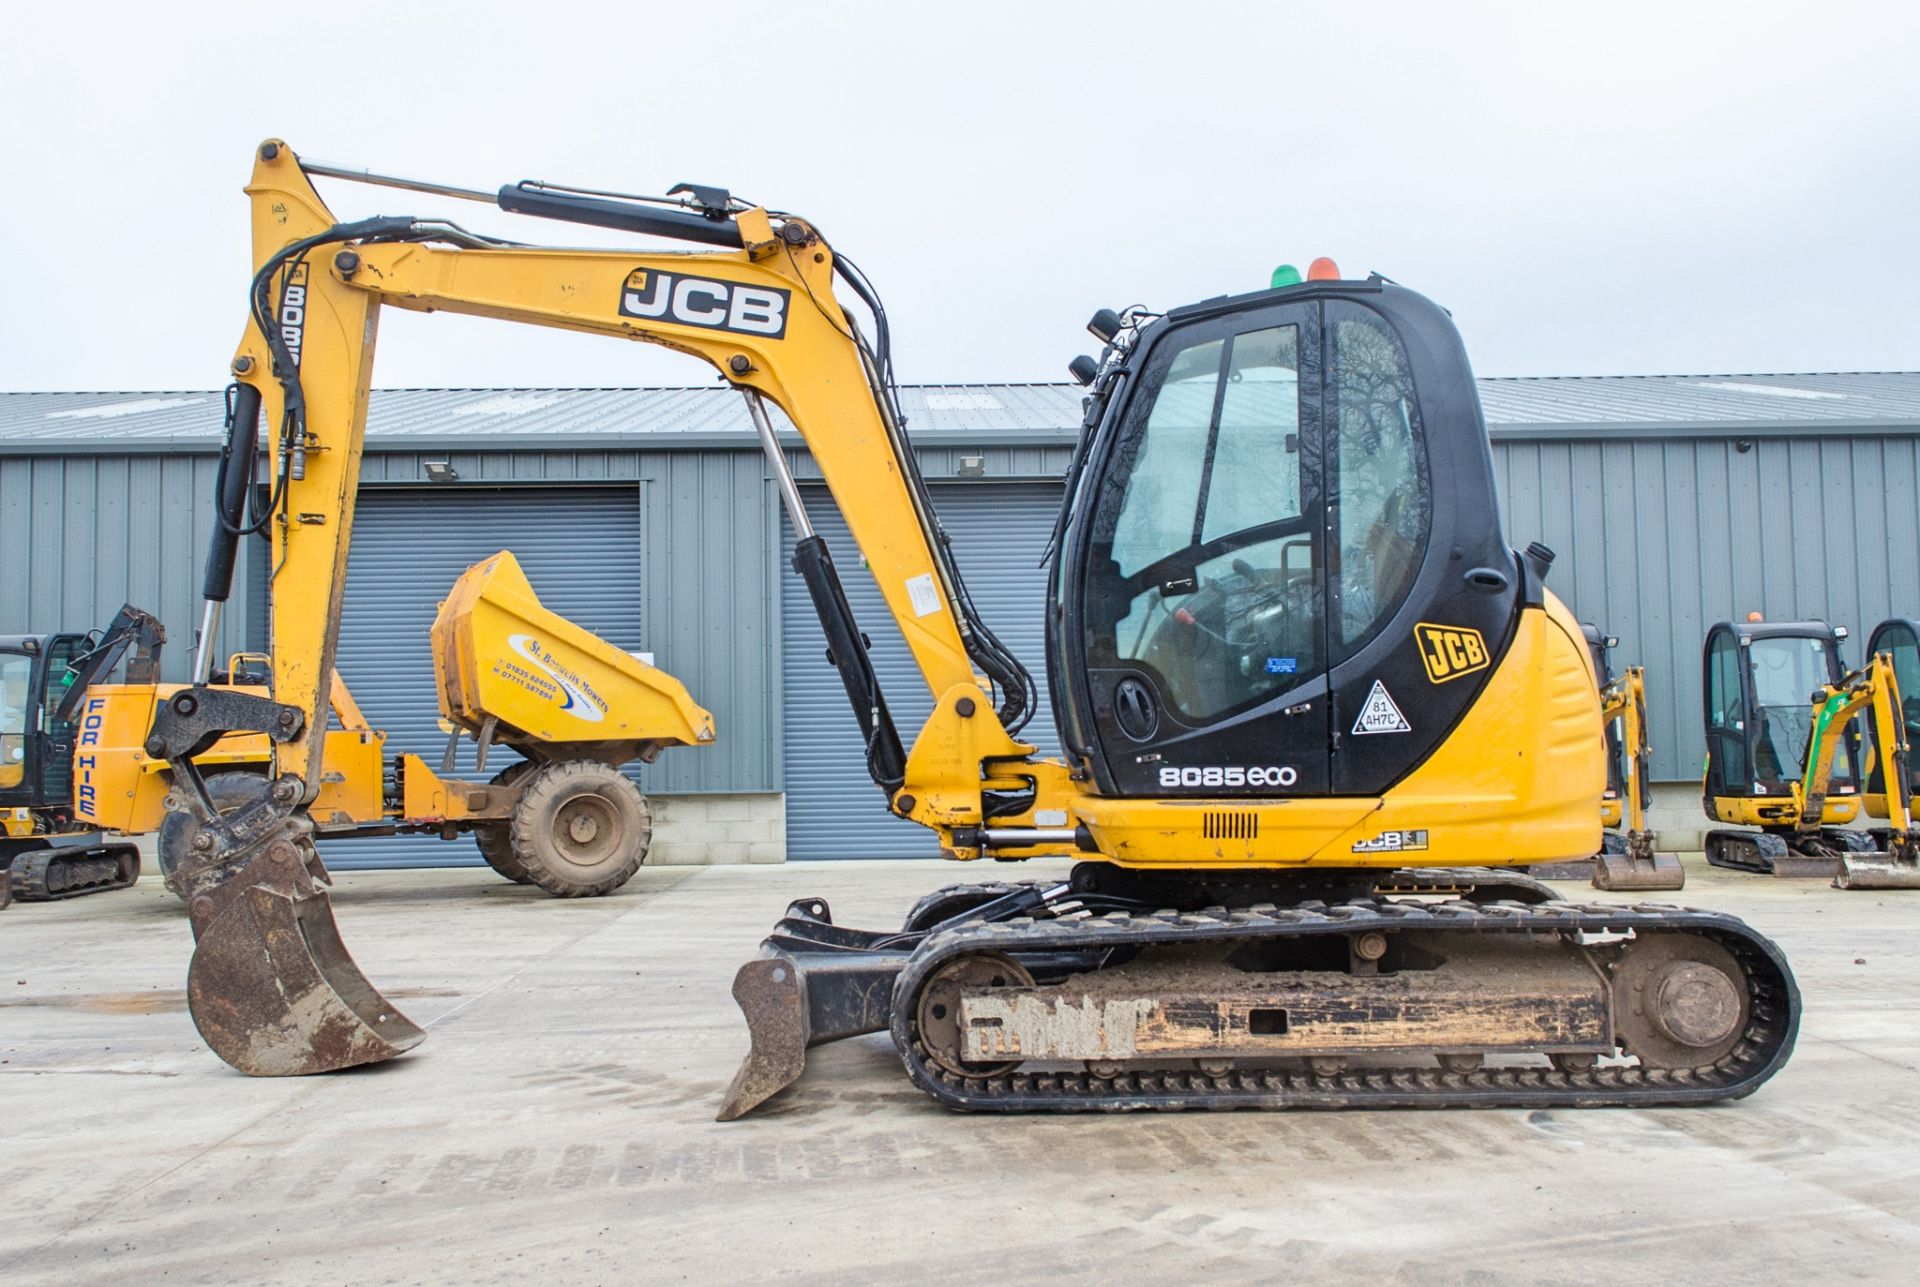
<point x="937" y="1016"/>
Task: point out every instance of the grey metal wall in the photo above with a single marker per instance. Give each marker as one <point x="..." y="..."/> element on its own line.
<point x="580" y="548"/>
<point x="708" y="583"/>
<point x="833" y="808"/>
<point x="1658" y="539"/>
<point x="84" y="534"/>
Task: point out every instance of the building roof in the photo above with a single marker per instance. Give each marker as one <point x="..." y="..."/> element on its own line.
<point x="1527" y="407"/>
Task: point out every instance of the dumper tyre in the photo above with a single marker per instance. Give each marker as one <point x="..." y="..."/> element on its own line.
<point x="495" y="839"/>
<point x="174" y="844"/>
<point x="581" y="829"/>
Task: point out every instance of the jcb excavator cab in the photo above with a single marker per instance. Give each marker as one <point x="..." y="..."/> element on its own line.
<point x="43" y="854"/>
<point x="1760" y="684"/>
<point x="1282" y="499"/>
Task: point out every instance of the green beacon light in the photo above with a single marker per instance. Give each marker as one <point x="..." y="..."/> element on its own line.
<point x="1285" y="275"/>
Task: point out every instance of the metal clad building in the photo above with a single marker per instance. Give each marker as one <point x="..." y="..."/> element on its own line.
<point x="1672" y="502"/>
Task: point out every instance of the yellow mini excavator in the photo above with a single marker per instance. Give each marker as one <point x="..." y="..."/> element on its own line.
<point x="47" y="850"/>
<point x="1310" y="699"/>
<point x="1782" y="756"/>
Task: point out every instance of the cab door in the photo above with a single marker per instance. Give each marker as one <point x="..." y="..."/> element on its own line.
<point x="57" y="736"/>
<point x="1729" y="763"/>
<point x="1204" y="589"/>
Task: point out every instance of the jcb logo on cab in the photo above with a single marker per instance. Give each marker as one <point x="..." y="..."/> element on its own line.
<point x="1449" y="652"/>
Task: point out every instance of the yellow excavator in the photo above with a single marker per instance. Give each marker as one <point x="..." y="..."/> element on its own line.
<point x="48" y="850"/>
<point x="508" y="673"/>
<point x="1311" y="701"/>
<point x="1784" y="756"/>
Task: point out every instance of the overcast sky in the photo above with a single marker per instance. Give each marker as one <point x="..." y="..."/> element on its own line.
<point x="1672" y="188"/>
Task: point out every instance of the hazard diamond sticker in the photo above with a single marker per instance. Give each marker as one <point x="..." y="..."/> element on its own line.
<point x="1380" y="715"/>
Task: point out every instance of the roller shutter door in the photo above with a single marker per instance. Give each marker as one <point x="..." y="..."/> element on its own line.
<point x="580" y="547"/>
<point x="833" y="808"/>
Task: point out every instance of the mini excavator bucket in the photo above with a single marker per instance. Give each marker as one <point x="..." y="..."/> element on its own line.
<point x="1637" y="867"/>
<point x="272" y="988"/>
<point x="1896" y="868"/>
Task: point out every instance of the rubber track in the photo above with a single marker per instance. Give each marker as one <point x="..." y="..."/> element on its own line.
<point x="48" y="874"/>
<point x="1774" y="1016"/>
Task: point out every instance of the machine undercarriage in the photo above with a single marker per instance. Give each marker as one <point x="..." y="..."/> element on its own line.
<point x="1417" y="988"/>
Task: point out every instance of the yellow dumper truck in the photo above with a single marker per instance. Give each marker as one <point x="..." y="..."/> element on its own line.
<point x="509" y="674"/>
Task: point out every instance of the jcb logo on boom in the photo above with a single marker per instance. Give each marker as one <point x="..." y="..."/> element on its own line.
<point x="1449" y="652"/>
<point x="703" y="301"/>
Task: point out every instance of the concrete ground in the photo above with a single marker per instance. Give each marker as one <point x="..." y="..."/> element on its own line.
<point x="559" y="1123"/>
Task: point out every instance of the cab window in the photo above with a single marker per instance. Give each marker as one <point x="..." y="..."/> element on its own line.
<point x="1726" y="718"/>
<point x="1785" y="674"/>
<point x="1209" y="580"/>
<point x="61" y="654"/>
<point x="1900" y="641"/>
<point x="1382" y="504"/>
<point x="16" y="686"/>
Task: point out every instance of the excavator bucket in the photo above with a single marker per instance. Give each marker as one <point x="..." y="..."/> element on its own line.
<point x="1631" y="872"/>
<point x="813" y="982"/>
<point x="274" y="991"/>
<point x="1878" y="870"/>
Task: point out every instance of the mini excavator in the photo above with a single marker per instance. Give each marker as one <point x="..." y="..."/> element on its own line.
<point x="1782" y="756"/>
<point x="47" y="851"/>
<point x="1312" y="703"/>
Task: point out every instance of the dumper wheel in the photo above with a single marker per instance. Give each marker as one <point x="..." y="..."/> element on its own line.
<point x="174" y="844"/>
<point x="495" y="839"/>
<point x="581" y="829"/>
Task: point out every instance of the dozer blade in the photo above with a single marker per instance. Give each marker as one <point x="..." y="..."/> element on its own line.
<point x="774" y="1003"/>
<point x="1880" y="870"/>
<point x="1629" y="873"/>
<point x="274" y="991"/>
<point x="814" y="982"/>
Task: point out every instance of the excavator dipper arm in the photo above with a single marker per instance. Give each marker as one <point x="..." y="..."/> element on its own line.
<point x="1640" y="867"/>
<point x="1875" y="691"/>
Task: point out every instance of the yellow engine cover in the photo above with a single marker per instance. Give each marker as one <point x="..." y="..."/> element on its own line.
<point x="497" y="652"/>
<point x="118" y="787"/>
<point x="1517" y="781"/>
